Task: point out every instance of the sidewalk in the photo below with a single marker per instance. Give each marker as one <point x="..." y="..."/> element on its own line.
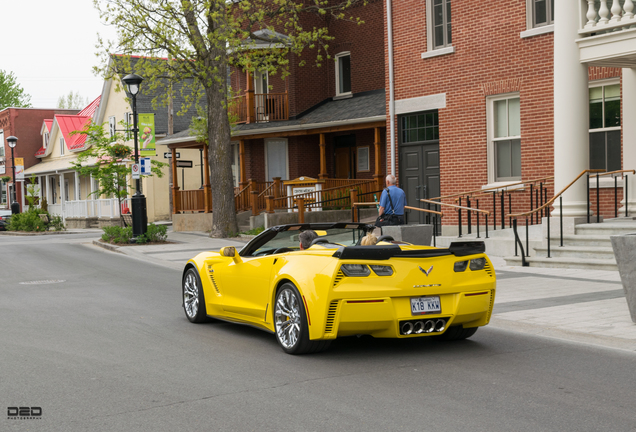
<point x="586" y="306"/>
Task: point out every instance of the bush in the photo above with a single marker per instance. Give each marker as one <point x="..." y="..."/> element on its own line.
<point x="117" y="235"/>
<point x="30" y="221"/>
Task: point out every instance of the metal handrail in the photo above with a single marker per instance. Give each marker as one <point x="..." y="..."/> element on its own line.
<point x="454" y="206"/>
<point x="494" y="188"/>
<point x="549" y="202"/>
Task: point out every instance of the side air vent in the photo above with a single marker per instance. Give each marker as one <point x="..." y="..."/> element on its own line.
<point x="492" y="302"/>
<point x="488" y="269"/>
<point x="331" y="316"/>
<point x="211" y="274"/>
<point x="338" y="278"/>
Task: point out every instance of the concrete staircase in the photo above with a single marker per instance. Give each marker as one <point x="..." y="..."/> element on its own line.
<point x="588" y="248"/>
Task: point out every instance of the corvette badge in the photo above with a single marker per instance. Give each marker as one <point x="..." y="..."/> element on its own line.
<point x="426" y="272"/>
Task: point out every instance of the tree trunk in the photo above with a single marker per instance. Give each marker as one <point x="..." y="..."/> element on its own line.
<point x="220" y="159"/>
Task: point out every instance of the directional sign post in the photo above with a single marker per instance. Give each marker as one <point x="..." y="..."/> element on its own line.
<point x="168" y="155"/>
<point x="184" y="164"/>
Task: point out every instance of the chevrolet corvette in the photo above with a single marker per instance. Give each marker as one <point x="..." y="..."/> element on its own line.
<point x="336" y="287"/>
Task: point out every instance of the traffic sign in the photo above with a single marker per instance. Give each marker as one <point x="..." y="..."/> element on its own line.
<point x="168" y="155"/>
<point x="145" y="166"/>
<point x="136" y="171"/>
<point x="184" y="164"/>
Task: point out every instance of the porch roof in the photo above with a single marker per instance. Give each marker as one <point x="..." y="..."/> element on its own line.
<point x="54" y="166"/>
<point x="367" y="109"/>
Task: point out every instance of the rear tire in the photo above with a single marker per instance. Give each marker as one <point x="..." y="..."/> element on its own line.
<point x="290" y="320"/>
<point x="193" y="298"/>
<point x="457" y="333"/>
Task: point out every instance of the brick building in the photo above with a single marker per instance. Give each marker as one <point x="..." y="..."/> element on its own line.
<point x="324" y="122"/>
<point x="479" y="111"/>
<point x="25" y="124"/>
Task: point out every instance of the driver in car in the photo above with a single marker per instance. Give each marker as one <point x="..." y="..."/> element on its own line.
<point x="306" y="237"/>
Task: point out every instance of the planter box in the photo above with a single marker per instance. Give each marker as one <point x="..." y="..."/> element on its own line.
<point x="625" y="252"/>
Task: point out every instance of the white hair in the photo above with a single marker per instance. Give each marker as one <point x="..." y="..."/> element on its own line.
<point x="391" y="179"/>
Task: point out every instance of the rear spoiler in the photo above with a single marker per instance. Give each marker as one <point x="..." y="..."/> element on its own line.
<point x="380" y="253"/>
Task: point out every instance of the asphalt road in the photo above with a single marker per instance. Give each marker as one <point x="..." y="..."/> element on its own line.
<point x="99" y="341"/>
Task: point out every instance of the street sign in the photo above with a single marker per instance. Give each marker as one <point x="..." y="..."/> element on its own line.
<point x="136" y="170"/>
<point x="184" y="164"/>
<point x="145" y="166"/>
<point x="168" y="155"/>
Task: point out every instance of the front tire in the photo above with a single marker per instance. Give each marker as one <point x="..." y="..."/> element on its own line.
<point x="193" y="298"/>
<point x="290" y="320"/>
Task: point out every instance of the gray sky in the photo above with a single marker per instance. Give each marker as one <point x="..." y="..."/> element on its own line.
<point x="53" y="48"/>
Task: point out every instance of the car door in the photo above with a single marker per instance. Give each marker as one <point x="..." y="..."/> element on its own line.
<point x="245" y="287"/>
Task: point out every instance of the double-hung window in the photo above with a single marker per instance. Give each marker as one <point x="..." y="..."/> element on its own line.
<point x="61" y="146"/>
<point x="605" y="127"/>
<point x="343" y="74"/>
<point x="504" y="133"/>
<point x="539" y="17"/>
<point x="439" y="34"/>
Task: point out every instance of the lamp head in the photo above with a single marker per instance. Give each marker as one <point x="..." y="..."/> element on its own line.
<point x="12" y="141"/>
<point x="132" y="83"/>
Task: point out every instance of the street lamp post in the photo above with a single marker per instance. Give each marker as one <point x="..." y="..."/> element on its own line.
<point x="139" y="214"/>
<point x="15" y="207"/>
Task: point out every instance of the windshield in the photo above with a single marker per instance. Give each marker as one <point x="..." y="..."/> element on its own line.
<point x="286" y="241"/>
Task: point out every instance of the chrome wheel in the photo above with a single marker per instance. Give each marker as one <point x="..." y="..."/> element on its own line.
<point x="287" y="316"/>
<point x="190" y="295"/>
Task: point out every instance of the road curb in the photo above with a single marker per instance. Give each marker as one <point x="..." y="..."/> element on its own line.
<point x="106" y="246"/>
<point x="39" y="233"/>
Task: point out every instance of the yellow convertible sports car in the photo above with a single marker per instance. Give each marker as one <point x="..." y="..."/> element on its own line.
<point x="336" y="287"/>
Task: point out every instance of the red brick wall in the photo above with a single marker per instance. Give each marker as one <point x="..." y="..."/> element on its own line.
<point x="490" y="58"/>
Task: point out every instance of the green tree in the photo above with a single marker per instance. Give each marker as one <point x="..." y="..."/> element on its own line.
<point x="72" y="101"/>
<point x="202" y="38"/>
<point x="105" y="160"/>
<point x="11" y="93"/>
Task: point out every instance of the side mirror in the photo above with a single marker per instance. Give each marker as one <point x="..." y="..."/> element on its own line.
<point x="228" y="251"/>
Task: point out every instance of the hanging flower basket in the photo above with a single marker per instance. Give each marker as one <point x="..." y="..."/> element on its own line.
<point x="120" y="151"/>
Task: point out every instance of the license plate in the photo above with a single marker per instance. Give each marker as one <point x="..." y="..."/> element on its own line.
<point x="425" y="305"/>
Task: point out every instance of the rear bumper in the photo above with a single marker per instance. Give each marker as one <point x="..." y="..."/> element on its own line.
<point x="382" y="317"/>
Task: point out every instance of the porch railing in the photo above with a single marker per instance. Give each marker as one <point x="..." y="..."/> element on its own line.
<point x="107" y="207"/>
<point x="259" y="107"/>
<point x="603" y="16"/>
<point x="192" y="200"/>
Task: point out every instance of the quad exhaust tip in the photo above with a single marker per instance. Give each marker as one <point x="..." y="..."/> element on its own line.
<point x="423" y="326"/>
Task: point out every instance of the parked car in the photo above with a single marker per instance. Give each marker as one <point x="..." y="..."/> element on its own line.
<point x="336" y="287"/>
<point x="5" y="216"/>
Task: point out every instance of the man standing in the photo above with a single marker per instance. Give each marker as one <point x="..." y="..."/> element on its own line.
<point x="392" y="204"/>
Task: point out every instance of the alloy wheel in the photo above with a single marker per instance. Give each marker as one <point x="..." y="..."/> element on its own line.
<point x="287" y="316"/>
<point x="190" y="295"/>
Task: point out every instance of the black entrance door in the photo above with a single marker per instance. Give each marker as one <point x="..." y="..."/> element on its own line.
<point x="419" y="161"/>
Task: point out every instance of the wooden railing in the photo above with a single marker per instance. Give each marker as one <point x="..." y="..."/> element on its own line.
<point x="265" y="107"/>
<point x="191" y="201"/>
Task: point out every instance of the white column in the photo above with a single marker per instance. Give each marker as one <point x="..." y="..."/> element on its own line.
<point x="77" y="186"/>
<point x="63" y="196"/>
<point x="571" y="112"/>
<point x="48" y="189"/>
<point x="41" y="190"/>
<point x="629" y="137"/>
<point x="22" y="193"/>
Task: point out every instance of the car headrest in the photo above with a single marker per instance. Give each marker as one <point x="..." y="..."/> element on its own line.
<point x="319" y="240"/>
<point x="387" y="238"/>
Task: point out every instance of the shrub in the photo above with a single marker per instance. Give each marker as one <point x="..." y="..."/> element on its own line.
<point x="117" y="235"/>
<point x="156" y="233"/>
<point x="27" y="221"/>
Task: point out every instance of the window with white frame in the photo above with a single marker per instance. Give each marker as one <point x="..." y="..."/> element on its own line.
<point x="46" y="139"/>
<point x="276" y="159"/>
<point x="539" y="17"/>
<point x="504" y="137"/>
<point x="236" y="169"/>
<point x="3" y="193"/>
<point x="363" y="159"/>
<point x="1" y="143"/>
<point x="343" y="73"/>
<point x="439" y="36"/>
<point x="605" y="126"/>
<point x="112" y="125"/>
<point x="61" y="146"/>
